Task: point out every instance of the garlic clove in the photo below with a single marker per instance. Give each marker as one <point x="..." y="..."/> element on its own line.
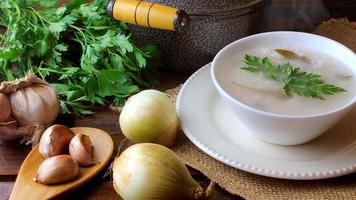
<point x="81" y="149"/>
<point x="55" y="141"/>
<point x="5" y="107"/>
<point x="57" y="169"/>
<point x="8" y="131"/>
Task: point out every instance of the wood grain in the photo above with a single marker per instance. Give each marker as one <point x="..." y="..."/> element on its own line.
<point x="24" y="185"/>
<point x="11" y="157"/>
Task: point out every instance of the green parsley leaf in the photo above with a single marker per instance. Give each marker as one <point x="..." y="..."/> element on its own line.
<point x="87" y="56"/>
<point x="48" y="3"/>
<point x="56" y="27"/>
<point x="295" y="80"/>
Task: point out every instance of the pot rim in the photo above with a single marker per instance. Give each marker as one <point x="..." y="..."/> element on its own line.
<point x="241" y="10"/>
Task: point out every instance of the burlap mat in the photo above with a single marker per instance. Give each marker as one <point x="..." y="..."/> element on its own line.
<point x="340" y="30"/>
<point x="250" y="186"/>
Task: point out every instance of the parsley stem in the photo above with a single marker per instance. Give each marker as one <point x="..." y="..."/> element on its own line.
<point x="39" y="16"/>
<point x="49" y="70"/>
<point x="83" y="35"/>
<point x="18" y="11"/>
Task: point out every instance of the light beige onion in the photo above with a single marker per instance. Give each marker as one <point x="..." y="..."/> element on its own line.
<point x="55" y="141"/>
<point x="149" y="116"/>
<point x="153" y="172"/>
<point x="57" y="169"/>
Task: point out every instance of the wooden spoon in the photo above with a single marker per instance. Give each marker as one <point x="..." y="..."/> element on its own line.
<point x="26" y="188"/>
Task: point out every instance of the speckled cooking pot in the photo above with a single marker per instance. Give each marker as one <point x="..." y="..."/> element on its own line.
<point x="213" y="24"/>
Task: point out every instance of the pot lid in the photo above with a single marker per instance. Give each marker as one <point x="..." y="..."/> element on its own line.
<point x="201" y="7"/>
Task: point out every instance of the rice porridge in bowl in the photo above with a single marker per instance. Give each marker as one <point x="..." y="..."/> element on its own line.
<point x="258" y="91"/>
<point x="286" y="87"/>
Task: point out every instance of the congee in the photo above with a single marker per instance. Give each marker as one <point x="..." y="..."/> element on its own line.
<point x="267" y="89"/>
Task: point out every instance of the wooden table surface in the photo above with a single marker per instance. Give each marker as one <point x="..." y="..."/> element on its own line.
<point x="301" y="15"/>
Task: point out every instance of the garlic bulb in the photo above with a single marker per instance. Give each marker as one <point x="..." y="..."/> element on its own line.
<point x="35" y="104"/>
<point x="55" y="141"/>
<point x="57" y="169"/>
<point x="81" y="150"/>
<point x="153" y="172"/>
<point x="5" y="107"/>
<point x="149" y="116"/>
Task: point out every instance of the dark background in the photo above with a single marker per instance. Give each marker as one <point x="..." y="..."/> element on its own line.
<point x="305" y="15"/>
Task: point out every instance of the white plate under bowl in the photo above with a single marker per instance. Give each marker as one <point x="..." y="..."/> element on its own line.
<point x="213" y="128"/>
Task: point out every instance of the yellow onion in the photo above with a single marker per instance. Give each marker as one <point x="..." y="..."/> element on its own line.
<point x="5" y="107"/>
<point x="149" y="116"/>
<point x="153" y="172"/>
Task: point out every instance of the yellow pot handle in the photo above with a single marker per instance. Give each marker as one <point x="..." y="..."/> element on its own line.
<point x="148" y="14"/>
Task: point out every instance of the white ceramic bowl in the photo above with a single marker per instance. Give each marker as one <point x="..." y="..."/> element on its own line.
<point x="278" y="128"/>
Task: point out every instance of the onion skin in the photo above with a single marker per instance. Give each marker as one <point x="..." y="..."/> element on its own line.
<point x="37" y="103"/>
<point x="57" y="169"/>
<point x="5" y="108"/>
<point x="55" y="141"/>
<point x="153" y="172"/>
<point x="149" y="116"/>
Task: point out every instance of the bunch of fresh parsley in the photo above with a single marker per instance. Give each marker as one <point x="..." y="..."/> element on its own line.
<point x="87" y="56"/>
<point x="294" y="79"/>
